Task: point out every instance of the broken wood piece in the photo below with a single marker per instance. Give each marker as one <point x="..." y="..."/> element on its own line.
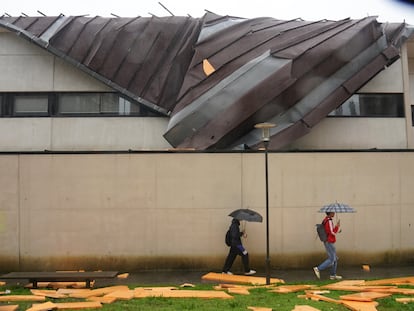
<point x="290" y="288"/>
<point x="360" y="306"/>
<point x="103" y="300"/>
<point x="2" y="283"/>
<point x="50" y="293"/>
<point x="238" y="290"/>
<point x="141" y="293"/>
<point x="355" y="288"/>
<point x="365" y="296"/>
<point x="121" y="294"/>
<point x="43" y="306"/>
<point x="322" y="298"/>
<point x="68" y="291"/>
<point x="259" y="309"/>
<point x="123" y="276"/>
<point x="99" y="291"/>
<point x="77" y="305"/>
<point x="243" y="279"/>
<point x="400" y="280"/>
<point x="9" y="308"/>
<point x="404" y="300"/>
<point x="7" y="298"/>
<point x="304" y="308"/>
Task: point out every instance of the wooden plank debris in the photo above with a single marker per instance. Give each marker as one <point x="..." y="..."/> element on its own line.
<point x="9" y="308"/>
<point x="8" y="298"/>
<point x="399" y="281"/>
<point x="50" y="293"/>
<point x="103" y="300"/>
<point x="321" y="298"/>
<point x="290" y="288"/>
<point x="238" y="290"/>
<point x="354" y="288"/>
<point x="99" y="291"/>
<point x="76" y="305"/>
<point x="241" y="279"/>
<point x="121" y="294"/>
<point x="364" y="296"/>
<point x="404" y="300"/>
<point x="304" y="308"/>
<point x="43" y="306"/>
<point x="259" y="309"/>
<point x="360" y="306"/>
<point x="181" y="293"/>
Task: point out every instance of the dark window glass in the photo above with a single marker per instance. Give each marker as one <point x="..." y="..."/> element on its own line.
<point x="372" y="105"/>
<point x="96" y="103"/>
<point x="30" y="104"/>
<point x="70" y="105"/>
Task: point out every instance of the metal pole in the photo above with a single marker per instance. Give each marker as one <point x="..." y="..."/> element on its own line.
<point x="267" y="216"/>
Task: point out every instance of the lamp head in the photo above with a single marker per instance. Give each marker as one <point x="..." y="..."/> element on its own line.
<point x="265" y="130"/>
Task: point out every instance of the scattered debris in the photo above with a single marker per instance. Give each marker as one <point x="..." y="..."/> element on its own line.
<point x="365" y="296"/>
<point x="241" y="279"/>
<point x="291" y="288"/>
<point x="304" y="308"/>
<point x="259" y="309"/>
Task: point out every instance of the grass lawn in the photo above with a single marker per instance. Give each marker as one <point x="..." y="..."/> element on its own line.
<point x="259" y="297"/>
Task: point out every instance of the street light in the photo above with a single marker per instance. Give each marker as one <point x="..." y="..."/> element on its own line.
<point x="265" y="127"/>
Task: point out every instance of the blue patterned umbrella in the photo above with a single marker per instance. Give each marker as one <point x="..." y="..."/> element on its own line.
<point x="337" y="208"/>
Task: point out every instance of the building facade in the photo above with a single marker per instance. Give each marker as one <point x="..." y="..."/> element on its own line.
<point x="89" y="181"/>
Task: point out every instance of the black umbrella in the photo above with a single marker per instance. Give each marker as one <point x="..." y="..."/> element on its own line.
<point x="247" y="215"/>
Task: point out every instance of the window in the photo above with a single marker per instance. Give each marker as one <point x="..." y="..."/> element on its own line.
<point x="70" y="104"/>
<point x="96" y="103"/>
<point x="371" y="105"/>
<point x="31" y="105"/>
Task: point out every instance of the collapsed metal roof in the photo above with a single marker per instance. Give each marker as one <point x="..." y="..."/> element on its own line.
<point x="218" y="76"/>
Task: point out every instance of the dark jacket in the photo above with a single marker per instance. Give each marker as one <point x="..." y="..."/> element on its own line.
<point x="235" y="233"/>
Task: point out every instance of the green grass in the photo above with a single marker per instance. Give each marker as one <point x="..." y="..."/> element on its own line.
<point x="259" y="297"/>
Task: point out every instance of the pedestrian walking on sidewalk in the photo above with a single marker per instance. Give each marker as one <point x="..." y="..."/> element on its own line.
<point x="237" y="248"/>
<point x="332" y="260"/>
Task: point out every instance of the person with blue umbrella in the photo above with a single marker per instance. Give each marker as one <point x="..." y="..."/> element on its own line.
<point x="332" y="260"/>
<point x="331" y="230"/>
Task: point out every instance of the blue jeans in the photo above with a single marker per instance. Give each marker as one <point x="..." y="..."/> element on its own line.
<point x="332" y="260"/>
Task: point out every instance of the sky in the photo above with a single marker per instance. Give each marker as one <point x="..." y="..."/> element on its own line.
<point x="311" y="10"/>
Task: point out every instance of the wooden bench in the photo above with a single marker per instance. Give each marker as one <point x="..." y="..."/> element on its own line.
<point x="35" y="277"/>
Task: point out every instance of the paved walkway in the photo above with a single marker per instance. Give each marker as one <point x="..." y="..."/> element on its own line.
<point x="297" y="275"/>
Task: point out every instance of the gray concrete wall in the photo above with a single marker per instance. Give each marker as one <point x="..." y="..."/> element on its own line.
<point x="169" y="210"/>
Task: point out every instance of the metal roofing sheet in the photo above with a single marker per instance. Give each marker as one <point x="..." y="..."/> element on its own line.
<point x="291" y="72"/>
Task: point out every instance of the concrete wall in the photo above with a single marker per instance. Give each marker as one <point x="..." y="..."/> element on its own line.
<point x="28" y="68"/>
<point x="169" y="210"/>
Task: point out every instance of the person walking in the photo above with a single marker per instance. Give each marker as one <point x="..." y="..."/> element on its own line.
<point x="332" y="260"/>
<point x="237" y="248"/>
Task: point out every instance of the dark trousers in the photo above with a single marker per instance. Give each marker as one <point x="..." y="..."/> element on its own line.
<point x="233" y="252"/>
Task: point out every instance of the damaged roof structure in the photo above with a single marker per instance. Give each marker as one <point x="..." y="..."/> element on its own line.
<point x="215" y="77"/>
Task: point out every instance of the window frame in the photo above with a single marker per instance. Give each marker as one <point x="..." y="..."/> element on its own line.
<point x="7" y="106"/>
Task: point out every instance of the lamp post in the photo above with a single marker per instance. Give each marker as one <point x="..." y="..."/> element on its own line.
<point x="265" y="127"/>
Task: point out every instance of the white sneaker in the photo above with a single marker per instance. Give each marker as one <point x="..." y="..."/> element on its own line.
<point x="228" y="272"/>
<point x="251" y="272"/>
<point x="317" y="273"/>
<point x="335" y="277"/>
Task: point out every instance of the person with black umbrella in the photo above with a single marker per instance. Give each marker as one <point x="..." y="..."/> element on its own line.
<point x="237" y="248"/>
